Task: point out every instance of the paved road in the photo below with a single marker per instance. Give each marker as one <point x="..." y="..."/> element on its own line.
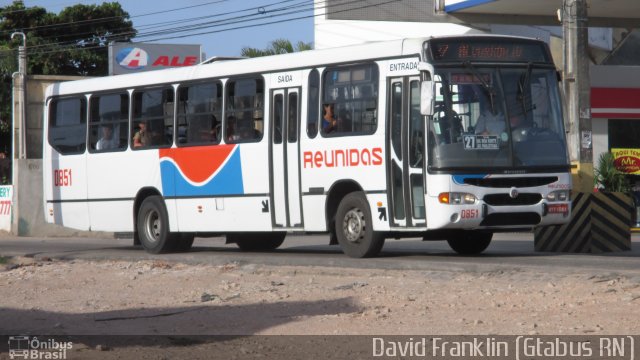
<point x="507" y="251"/>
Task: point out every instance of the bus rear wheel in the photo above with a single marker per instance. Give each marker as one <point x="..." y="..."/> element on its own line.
<point x="153" y="226"/>
<point x="257" y="241"/>
<point x="470" y="242"/>
<point x="354" y="228"/>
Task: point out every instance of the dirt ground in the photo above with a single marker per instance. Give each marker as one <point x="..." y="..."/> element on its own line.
<point x="163" y="298"/>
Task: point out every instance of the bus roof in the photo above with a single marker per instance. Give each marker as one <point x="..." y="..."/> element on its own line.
<point x="267" y="64"/>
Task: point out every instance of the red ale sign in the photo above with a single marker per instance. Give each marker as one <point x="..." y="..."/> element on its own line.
<point x="175" y="61"/>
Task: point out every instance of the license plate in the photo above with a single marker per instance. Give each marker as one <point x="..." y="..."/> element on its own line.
<point x="558" y="208"/>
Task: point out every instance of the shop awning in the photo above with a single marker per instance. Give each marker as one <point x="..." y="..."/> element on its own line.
<point x="612" y="13"/>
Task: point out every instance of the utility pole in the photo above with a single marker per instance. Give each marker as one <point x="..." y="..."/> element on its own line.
<point x="577" y="88"/>
<point x="20" y="87"/>
<point x="19" y="118"/>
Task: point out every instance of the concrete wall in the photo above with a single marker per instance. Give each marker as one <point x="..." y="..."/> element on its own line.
<point x="28" y="211"/>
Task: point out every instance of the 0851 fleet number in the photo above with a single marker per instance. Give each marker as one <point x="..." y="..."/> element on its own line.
<point x="62" y="177"/>
<point x="470" y="214"/>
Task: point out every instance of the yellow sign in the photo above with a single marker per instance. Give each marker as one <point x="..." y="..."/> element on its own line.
<point x="627" y="160"/>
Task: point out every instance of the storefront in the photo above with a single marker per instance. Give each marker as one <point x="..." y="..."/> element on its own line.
<point x="615" y="110"/>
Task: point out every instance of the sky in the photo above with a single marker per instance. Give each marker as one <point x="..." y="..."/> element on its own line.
<point x="151" y="15"/>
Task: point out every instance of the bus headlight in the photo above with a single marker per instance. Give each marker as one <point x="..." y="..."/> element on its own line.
<point x="560" y="195"/>
<point x="456" y="198"/>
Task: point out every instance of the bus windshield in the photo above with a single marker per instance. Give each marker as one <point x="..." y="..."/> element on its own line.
<point x="496" y="117"/>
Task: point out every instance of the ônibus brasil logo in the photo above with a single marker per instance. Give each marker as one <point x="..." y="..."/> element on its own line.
<point x="132" y="58"/>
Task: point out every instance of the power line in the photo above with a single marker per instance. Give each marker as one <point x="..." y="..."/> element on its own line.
<point x="109" y="18"/>
<point x="258" y="9"/>
<point x="278" y="21"/>
<point x="127" y="34"/>
<point x="228" y="21"/>
<point x="65" y="46"/>
<point x="115" y="36"/>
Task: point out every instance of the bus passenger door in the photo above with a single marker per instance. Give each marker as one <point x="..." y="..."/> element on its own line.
<point x="406" y="154"/>
<point x="286" y="211"/>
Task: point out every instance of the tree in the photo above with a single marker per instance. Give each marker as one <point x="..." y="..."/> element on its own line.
<point x="73" y="42"/>
<point x="278" y="46"/>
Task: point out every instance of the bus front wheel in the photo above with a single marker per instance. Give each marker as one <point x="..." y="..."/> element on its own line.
<point x="354" y="228"/>
<point x="153" y="226"/>
<point x="470" y="242"/>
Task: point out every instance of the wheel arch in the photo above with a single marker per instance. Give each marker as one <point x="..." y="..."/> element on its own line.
<point x="336" y="193"/>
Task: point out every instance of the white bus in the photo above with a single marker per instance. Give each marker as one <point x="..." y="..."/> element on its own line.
<point x="450" y="138"/>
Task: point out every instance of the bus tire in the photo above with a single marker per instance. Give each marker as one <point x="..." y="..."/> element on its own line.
<point x="257" y="241"/>
<point x="354" y="228"/>
<point x="153" y="226"/>
<point x="470" y="242"/>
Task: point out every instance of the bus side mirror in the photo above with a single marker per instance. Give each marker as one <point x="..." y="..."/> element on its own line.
<point x="426" y="97"/>
<point x="427" y="88"/>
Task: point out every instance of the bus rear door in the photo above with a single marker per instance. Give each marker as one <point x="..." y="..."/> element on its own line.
<point x="285" y="160"/>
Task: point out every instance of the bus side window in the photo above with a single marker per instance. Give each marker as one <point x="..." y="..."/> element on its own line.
<point x="68" y="125"/>
<point x="353" y="93"/>
<point x="245" y="108"/>
<point x="200" y="114"/>
<point x="108" y="119"/>
<point x="152" y="123"/>
<point x="314" y="104"/>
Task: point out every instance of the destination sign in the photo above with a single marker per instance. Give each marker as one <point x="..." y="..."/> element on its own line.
<point x="488" y="50"/>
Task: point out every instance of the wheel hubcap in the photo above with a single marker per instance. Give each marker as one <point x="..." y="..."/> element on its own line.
<point x="353" y="225"/>
<point x="154" y="226"/>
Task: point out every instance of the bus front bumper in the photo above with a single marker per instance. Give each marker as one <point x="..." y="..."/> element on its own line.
<point x="484" y="216"/>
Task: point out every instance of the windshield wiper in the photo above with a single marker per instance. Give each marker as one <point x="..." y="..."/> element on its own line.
<point x="485" y="85"/>
<point x="524" y="84"/>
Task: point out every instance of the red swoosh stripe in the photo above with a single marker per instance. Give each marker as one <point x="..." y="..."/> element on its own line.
<point x="198" y="163"/>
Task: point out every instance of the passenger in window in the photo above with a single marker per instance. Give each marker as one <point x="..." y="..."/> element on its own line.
<point x="107" y="141"/>
<point x="142" y="137"/>
<point x="328" y="120"/>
